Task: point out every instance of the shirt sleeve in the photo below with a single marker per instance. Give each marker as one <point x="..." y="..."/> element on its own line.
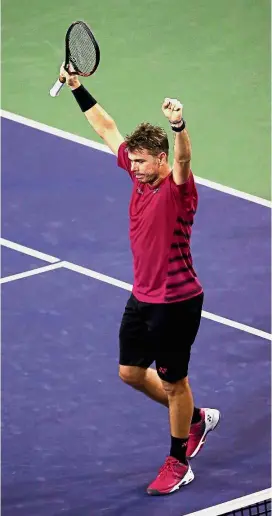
<point x="122" y="159"/>
<point x="187" y="194"/>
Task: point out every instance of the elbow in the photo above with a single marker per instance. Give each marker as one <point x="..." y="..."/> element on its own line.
<point x="108" y="126"/>
<point x="184" y="159"/>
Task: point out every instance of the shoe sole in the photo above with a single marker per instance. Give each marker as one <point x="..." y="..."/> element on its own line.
<point x="189" y="477"/>
<point x="216" y="417"/>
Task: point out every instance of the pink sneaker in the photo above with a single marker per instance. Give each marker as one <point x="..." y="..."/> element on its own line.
<point x="171" y="477"/>
<point x="198" y="431"/>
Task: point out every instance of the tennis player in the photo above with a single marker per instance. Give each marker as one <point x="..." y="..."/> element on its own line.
<point x="162" y="316"/>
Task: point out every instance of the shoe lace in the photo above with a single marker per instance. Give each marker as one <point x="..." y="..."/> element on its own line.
<point x="168" y="466"/>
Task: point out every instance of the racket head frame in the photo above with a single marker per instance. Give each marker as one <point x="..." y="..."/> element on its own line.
<point x="68" y="59"/>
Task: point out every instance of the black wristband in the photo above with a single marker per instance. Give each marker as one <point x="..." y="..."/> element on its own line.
<point x="179" y="129"/>
<point x="84" y="98"/>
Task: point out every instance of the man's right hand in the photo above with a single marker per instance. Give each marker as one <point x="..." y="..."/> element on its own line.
<point x="71" y="78"/>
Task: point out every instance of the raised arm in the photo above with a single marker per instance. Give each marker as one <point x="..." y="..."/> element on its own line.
<point x="98" y="118"/>
<point x="172" y="109"/>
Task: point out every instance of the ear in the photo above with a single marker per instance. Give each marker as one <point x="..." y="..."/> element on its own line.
<point x="162" y="157"/>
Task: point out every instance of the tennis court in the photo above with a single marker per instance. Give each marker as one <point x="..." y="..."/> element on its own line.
<point x="75" y="440"/>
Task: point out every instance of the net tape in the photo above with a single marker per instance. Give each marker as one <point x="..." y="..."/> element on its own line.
<point x="256" y="504"/>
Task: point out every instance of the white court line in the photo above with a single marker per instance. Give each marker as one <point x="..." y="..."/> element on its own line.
<point x="101" y="147"/>
<point x="236" y="325"/>
<point x="97" y="275"/>
<point x="127" y="286"/>
<point x="26" y="250"/>
<point x="55" y="132"/>
<point x="235" y="504"/>
<point x="33" y="272"/>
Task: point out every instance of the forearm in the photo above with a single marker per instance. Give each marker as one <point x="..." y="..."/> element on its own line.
<point x="97" y="117"/>
<point x="100" y="120"/>
<point x="172" y="109"/>
<point x="182" y="147"/>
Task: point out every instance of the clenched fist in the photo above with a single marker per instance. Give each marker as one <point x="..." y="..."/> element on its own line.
<point x="172" y="109"/>
<point x="69" y="77"/>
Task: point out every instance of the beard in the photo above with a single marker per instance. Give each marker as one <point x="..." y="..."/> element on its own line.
<point x="148" y="178"/>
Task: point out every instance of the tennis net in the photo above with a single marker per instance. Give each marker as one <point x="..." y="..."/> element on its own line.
<point x="256" y="504"/>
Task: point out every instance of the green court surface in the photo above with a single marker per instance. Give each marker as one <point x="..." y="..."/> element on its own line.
<point x="214" y="55"/>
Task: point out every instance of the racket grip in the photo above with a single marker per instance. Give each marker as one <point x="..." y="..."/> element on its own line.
<point x="57" y="87"/>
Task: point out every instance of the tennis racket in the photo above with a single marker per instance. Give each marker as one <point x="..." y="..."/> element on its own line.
<point x="82" y="54"/>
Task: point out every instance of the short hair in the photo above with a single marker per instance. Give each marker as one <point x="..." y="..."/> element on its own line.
<point x="148" y="137"/>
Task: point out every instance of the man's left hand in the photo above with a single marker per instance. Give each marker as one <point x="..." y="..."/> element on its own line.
<point x="172" y="109"/>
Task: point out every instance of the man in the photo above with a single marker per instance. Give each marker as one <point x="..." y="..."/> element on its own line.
<point x="162" y="316"/>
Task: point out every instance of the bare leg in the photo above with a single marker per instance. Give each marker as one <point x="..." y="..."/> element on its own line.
<point x="181" y="407"/>
<point x="146" y="381"/>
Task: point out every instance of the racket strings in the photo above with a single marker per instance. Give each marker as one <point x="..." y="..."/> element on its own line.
<point x="83" y="53"/>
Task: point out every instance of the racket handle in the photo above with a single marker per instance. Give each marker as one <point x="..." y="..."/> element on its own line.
<point x="57" y="87"/>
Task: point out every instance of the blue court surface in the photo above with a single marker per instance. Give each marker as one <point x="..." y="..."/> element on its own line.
<point x="76" y="440"/>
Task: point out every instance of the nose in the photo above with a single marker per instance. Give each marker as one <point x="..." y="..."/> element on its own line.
<point x="133" y="166"/>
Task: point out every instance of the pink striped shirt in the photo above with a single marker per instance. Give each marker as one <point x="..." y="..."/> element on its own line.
<point x="161" y="220"/>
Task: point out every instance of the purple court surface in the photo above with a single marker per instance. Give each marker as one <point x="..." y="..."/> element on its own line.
<point x="75" y="440"/>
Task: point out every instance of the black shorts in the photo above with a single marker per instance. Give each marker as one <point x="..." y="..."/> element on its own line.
<point x="163" y="333"/>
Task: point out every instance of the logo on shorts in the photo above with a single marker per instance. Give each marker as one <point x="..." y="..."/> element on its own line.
<point x="162" y="370"/>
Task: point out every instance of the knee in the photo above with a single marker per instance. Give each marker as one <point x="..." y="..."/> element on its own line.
<point x="132" y="375"/>
<point x="175" y="388"/>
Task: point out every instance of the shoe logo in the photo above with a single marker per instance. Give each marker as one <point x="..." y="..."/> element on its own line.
<point x="163" y="370"/>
